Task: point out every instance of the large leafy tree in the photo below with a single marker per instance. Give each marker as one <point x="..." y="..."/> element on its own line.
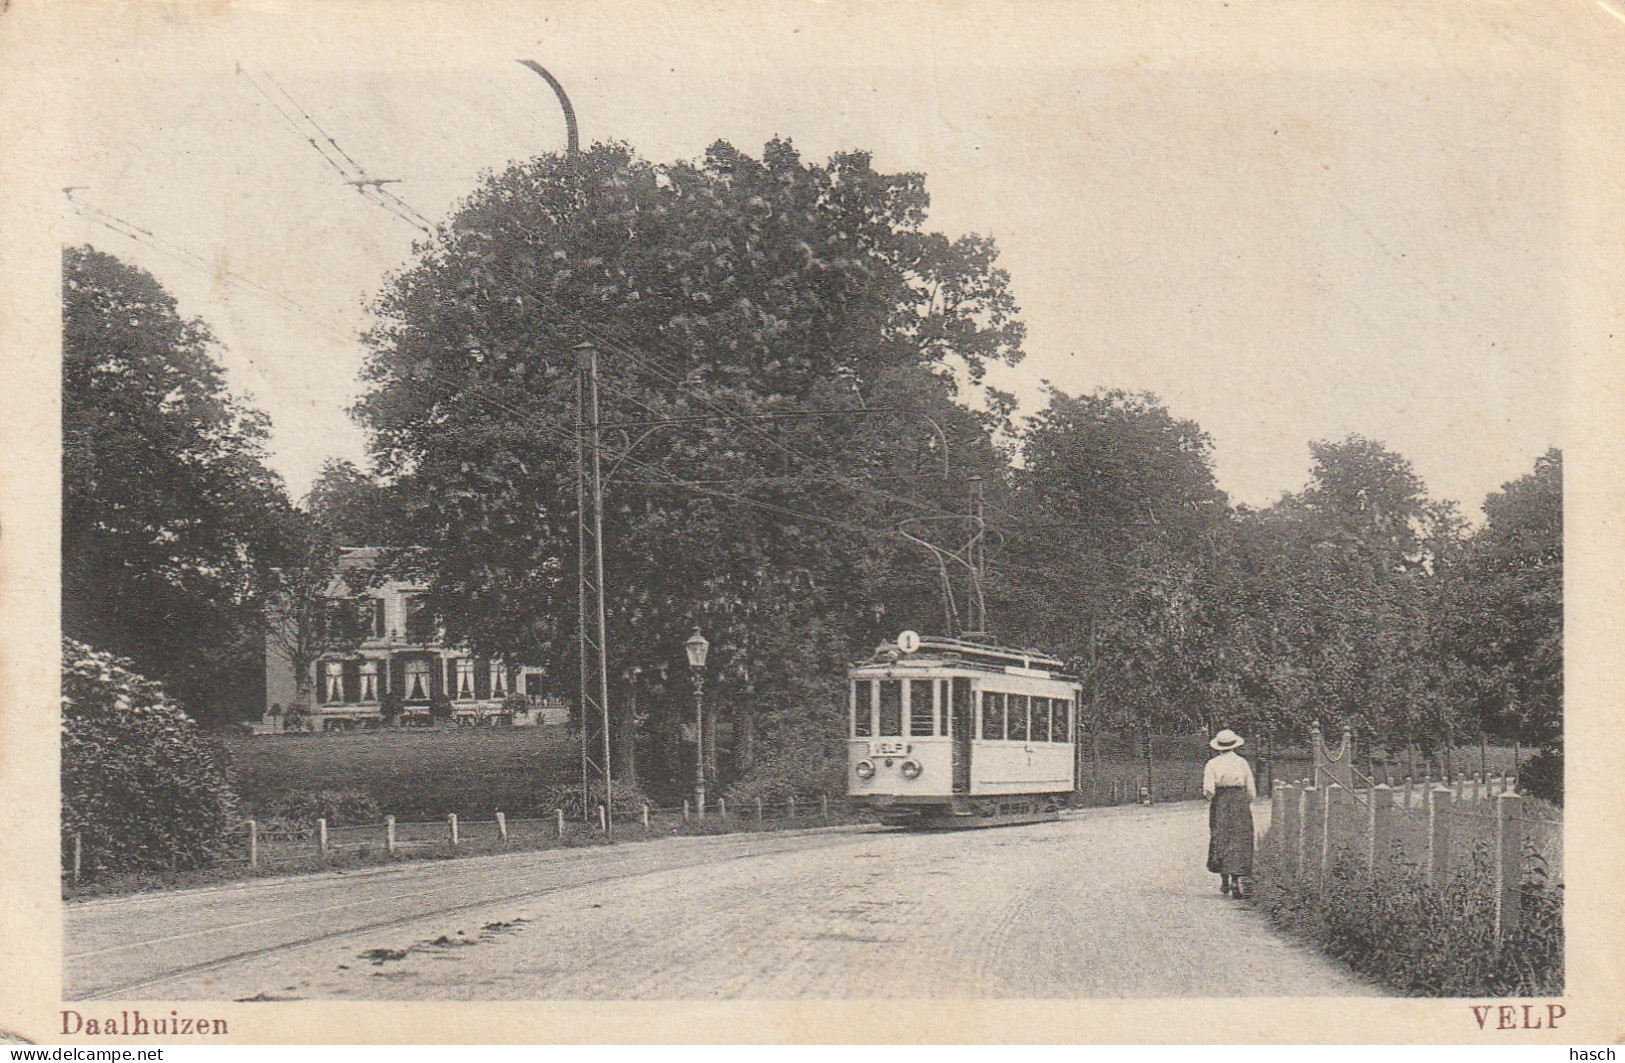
<point x="752" y="315"/>
<point x="1109" y="552"/>
<point x="170" y="517"/>
<point x="1337" y="598"/>
<point x="1505" y="609"/>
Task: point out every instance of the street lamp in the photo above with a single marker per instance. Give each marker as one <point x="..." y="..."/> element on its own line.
<point x="696" y="647"/>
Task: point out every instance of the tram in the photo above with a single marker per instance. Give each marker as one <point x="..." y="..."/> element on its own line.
<point x="947" y="733"/>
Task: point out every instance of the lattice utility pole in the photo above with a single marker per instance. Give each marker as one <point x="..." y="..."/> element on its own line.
<point x="590" y="639"/>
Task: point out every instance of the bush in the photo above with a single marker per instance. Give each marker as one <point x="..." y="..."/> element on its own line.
<point x="629" y="800"/>
<point x="341" y="808"/>
<point x="1417" y="939"/>
<point x="142" y="786"/>
<point x="1542" y="776"/>
<point x="803" y="773"/>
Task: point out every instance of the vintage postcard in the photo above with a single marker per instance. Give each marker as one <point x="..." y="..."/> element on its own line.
<point x="919" y="521"/>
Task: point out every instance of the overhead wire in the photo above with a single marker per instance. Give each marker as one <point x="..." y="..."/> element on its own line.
<point x="654" y="370"/>
<point x="531" y="417"/>
<point x="142" y="235"/>
<point x="335" y="156"/>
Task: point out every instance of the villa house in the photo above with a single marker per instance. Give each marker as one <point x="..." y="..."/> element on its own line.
<point x="390" y="654"/>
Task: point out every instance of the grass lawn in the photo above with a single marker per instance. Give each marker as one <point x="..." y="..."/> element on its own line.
<point x="474" y="772"/>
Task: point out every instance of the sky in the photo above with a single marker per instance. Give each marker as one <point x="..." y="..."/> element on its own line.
<point x="1291" y="223"/>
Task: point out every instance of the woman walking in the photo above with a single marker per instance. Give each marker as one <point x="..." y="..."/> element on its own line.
<point x="1228" y="784"/>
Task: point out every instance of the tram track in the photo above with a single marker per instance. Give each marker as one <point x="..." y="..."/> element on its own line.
<point x="635" y="863"/>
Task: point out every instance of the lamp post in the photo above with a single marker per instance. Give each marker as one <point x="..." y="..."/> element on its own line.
<point x="696" y="647"/>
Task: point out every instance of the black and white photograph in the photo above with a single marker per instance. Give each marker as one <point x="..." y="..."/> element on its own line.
<point x="922" y="507"/>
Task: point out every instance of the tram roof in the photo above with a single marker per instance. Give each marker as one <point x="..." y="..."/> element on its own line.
<point x="968" y="653"/>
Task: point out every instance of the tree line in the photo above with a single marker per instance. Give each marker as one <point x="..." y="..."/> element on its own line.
<point x="792" y="376"/>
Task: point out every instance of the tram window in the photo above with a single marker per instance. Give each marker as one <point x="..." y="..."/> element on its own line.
<point x="1041" y="711"/>
<point x="1063" y="730"/>
<point x="891" y="707"/>
<point x="920" y="692"/>
<point x="992" y="715"/>
<point x="944" y="714"/>
<point x="1018" y="717"/>
<point x="863" y="720"/>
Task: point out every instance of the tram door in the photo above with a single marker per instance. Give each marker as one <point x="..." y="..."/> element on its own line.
<point x="964" y="732"/>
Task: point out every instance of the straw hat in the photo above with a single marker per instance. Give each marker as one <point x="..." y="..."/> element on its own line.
<point x="1227" y="739"/>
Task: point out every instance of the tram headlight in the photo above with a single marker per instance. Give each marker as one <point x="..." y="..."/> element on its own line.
<point x="911" y="769"/>
<point x="865" y="769"/>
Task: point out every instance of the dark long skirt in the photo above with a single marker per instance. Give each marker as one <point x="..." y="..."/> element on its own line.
<point x="1230" y="832"/>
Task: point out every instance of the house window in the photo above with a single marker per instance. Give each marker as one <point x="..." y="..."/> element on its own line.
<point x="417" y="680"/>
<point x="499" y="680"/>
<point x="334" y="685"/>
<point x="377" y="606"/>
<point x="369" y="680"/>
<point x="420" y="626"/>
<point x="465" y="679"/>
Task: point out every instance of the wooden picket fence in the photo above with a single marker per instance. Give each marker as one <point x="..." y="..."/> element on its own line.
<point x="1427" y="824"/>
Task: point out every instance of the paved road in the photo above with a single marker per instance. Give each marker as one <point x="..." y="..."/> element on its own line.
<point x="1107" y="903"/>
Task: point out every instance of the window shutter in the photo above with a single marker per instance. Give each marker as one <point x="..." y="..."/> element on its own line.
<point x="352" y="682"/>
<point x="437" y="678"/>
<point x="482" y="679"/>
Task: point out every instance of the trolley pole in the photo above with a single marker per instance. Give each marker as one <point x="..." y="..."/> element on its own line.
<point x="975" y="606"/>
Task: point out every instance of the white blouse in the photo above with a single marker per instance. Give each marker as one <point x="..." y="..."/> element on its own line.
<point x="1228" y="769"/>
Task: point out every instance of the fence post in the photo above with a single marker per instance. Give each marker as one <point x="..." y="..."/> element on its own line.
<point x="79" y="853"/>
<point x="645" y="815"/>
<point x="1508" y="866"/>
<point x="722" y="809"/>
<point x="389" y="834"/>
<point x="253" y="849"/>
<point x="1277" y="805"/>
<point x="560" y="813"/>
<point x="758" y="810"/>
<point x="451" y="822"/>
<point x="1439" y="801"/>
<point x="1288" y="831"/>
<point x="685" y="810"/>
<point x="1382" y="828"/>
<point x="792" y="806"/>
<point x="502" y="828"/>
<point x="603" y="823"/>
<point x="1310" y="821"/>
<point x="321" y="837"/>
<point x="1333" y="791"/>
<point x="823" y="805"/>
